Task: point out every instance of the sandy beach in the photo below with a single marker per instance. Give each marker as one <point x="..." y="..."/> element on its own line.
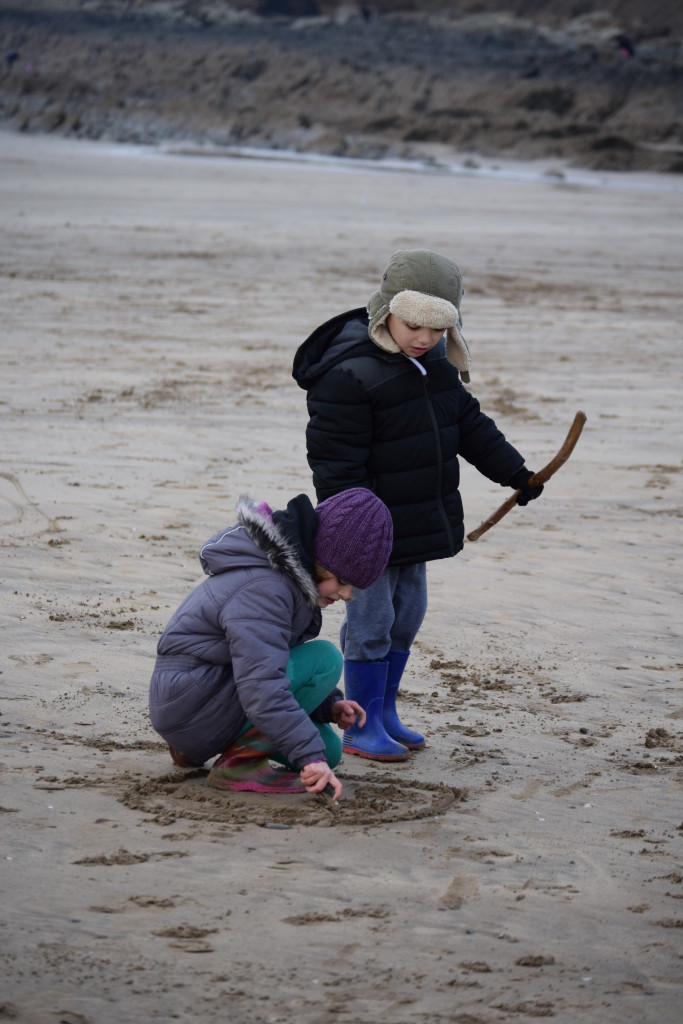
<point x="529" y="862"/>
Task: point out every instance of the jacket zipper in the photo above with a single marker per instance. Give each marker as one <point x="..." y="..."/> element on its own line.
<point x="442" y="510"/>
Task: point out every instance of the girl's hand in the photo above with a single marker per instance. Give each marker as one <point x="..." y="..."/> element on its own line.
<point x="316" y="775"/>
<point x="345" y="713"/>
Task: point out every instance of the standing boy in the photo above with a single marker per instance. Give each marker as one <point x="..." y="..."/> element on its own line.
<point x="388" y="411"/>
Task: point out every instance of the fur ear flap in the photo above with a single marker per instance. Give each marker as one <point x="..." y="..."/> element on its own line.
<point x="457" y="352"/>
<point x="382" y="338"/>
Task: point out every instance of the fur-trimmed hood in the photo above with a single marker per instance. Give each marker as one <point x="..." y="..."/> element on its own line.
<point x="283" y="540"/>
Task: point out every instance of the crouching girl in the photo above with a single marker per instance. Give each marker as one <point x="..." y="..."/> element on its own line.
<point x="238" y="672"/>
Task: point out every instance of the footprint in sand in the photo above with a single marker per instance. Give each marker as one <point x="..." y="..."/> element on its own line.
<point x="461" y="889"/>
<point x="14" y="495"/>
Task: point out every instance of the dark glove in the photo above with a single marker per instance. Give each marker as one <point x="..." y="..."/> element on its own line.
<point x="520" y="482"/>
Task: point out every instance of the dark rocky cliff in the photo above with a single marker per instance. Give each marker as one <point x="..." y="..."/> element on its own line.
<point x="600" y="86"/>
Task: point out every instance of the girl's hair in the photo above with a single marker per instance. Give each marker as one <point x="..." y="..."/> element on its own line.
<point x="320" y="573"/>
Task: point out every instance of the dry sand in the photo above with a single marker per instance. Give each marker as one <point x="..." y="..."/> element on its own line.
<point x="529" y="862"/>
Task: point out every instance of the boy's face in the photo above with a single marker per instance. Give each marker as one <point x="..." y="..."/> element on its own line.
<point x="412" y="339"/>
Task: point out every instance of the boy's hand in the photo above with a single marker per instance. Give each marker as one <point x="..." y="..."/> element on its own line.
<point x="345" y="713"/>
<point x="520" y="481"/>
<point x="316" y="775"/>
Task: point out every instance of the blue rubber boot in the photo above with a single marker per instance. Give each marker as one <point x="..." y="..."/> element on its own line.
<point x="398" y="731"/>
<point x="365" y="682"/>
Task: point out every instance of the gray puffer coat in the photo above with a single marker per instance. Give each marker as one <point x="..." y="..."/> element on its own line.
<point x="222" y="658"/>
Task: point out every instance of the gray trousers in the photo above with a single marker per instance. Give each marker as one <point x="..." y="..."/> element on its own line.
<point x="387" y="615"/>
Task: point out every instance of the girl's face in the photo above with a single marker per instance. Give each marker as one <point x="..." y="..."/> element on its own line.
<point x="412" y="339"/>
<point x="330" y="588"/>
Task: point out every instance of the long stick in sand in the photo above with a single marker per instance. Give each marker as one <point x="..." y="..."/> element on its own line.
<point x="538" y="478"/>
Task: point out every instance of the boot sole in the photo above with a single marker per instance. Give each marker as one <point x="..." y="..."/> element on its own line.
<point x="375" y="757"/>
<point x="411" y="746"/>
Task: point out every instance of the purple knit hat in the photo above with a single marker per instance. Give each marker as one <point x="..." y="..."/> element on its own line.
<point x="354" y="537"/>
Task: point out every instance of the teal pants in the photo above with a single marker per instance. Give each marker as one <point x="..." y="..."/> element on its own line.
<point x="313" y="670"/>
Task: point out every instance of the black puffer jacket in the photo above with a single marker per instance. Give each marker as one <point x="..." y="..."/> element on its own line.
<point x="377" y="421"/>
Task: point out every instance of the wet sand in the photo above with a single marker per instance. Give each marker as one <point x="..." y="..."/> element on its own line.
<point x="528" y="863"/>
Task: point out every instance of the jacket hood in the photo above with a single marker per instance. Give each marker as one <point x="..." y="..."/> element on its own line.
<point x="329" y="344"/>
<point x="259" y="539"/>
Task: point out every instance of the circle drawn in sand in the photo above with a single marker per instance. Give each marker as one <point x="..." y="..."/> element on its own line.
<point x="380" y="801"/>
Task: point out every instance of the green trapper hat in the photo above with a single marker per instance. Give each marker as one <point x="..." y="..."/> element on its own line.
<point x="421" y="287"/>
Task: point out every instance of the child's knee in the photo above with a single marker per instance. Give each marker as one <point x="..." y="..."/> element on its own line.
<point x="331" y="660"/>
<point x="317" y="660"/>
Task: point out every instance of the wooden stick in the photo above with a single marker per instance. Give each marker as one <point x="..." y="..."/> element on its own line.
<point x="538" y="478"/>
